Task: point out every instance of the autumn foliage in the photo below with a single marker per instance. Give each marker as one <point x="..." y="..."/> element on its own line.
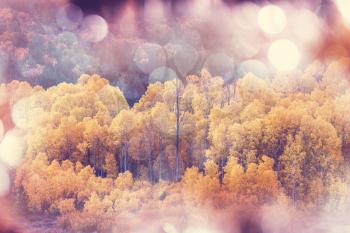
<point x="92" y="161"/>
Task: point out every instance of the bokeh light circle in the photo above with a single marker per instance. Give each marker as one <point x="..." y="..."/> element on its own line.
<point x="185" y="58"/>
<point x="305" y="26"/>
<point x="94" y="28"/>
<point x="162" y="74"/>
<point x="284" y="55"/>
<point x="244" y="47"/>
<point x="219" y="64"/>
<point x="198" y="230"/>
<point x="344" y="9"/>
<point x="169" y="228"/>
<point x="12" y="148"/>
<point x="149" y="56"/>
<point x="69" y="17"/>
<point x="255" y="67"/>
<point x="272" y="19"/>
<point x="2" y="130"/>
<point x="21" y="113"/>
<point x="4" y="180"/>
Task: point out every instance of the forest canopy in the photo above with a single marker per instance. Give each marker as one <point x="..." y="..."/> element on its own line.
<point x="94" y="162"/>
<point x="162" y="116"/>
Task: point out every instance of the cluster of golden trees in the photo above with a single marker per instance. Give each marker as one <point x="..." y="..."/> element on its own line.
<point x="91" y="160"/>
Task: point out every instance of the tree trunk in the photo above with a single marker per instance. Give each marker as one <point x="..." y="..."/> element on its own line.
<point x="121" y="158"/>
<point x="177" y="133"/>
<point x="116" y="159"/>
<point x="160" y="157"/>
<point x="149" y="157"/>
<point x="126" y="158"/>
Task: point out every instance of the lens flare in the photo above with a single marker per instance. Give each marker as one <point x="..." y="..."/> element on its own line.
<point x="272" y="19"/>
<point x="154" y="12"/>
<point x="12" y="148"/>
<point x="335" y="51"/>
<point x="127" y="22"/>
<point x="4" y="180"/>
<point x="284" y="55"/>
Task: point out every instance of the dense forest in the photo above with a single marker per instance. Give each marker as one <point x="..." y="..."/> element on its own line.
<point x="162" y="116"/>
<point x="201" y="144"/>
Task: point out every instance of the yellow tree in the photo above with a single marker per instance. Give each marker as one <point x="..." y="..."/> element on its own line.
<point x="291" y="169"/>
<point x="96" y="144"/>
<point x="267" y="181"/>
<point x="233" y="179"/>
<point x="205" y="93"/>
<point x="164" y="129"/>
<point x="122" y="129"/>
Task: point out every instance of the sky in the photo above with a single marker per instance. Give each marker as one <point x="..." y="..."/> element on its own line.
<point x="134" y="43"/>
